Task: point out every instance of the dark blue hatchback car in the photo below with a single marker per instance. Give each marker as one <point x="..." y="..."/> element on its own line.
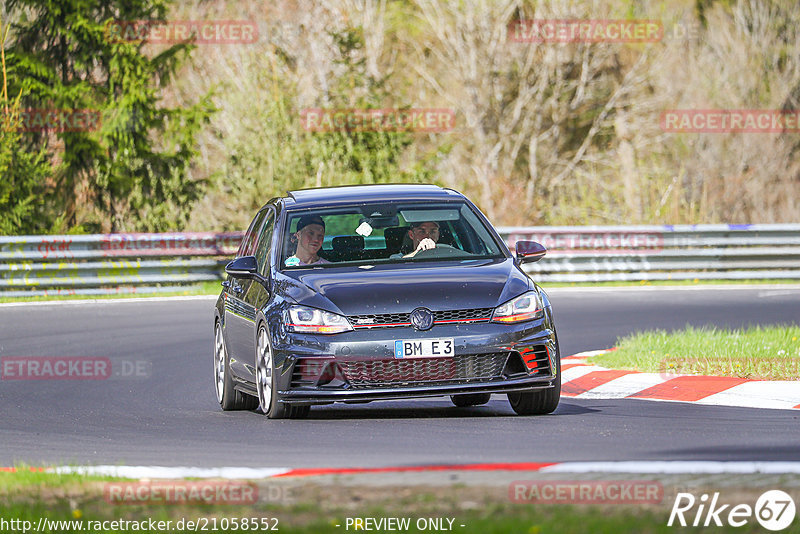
<point x="364" y="293"/>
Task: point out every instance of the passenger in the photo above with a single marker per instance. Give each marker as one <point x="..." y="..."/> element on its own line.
<point x="308" y="236"/>
<point x="424" y="236"/>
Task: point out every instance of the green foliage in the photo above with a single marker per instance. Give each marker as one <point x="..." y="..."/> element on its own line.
<point x="545" y="134"/>
<point x="131" y="172"/>
<point x="22" y="171"/>
<point x="275" y="154"/>
<point x="22" y="175"/>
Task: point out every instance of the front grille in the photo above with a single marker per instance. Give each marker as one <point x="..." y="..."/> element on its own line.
<point x="474" y="314"/>
<point x="421" y="371"/>
<point x="381" y="319"/>
<point x="384" y="320"/>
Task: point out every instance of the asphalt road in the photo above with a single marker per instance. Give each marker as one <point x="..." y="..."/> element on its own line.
<point x="168" y="414"/>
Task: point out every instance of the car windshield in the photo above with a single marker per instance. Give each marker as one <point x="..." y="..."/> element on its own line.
<point x="385" y="233"/>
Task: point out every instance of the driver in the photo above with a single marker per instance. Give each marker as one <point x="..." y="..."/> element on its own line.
<point x="423" y="235"/>
<point x="308" y="236"/>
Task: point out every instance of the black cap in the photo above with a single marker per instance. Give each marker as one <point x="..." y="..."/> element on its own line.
<point x="419" y="223"/>
<point x="305" y="220"/>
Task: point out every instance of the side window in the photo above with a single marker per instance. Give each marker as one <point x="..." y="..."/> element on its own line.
<point x="248" y="246"/>
<point x="265" y="242"/>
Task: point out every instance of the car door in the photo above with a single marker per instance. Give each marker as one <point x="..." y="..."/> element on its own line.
<point x="255" y="296"/>
<point x="239" y="317"/>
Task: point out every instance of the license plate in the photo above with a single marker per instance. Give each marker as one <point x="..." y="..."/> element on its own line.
<point x="442" y="347"/>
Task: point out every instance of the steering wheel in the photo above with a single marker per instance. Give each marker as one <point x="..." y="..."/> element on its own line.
<point x="441" y="251"/>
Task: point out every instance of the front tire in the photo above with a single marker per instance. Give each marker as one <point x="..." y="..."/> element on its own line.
<point x="539" y="402"/>
<point x="265" y="382"/>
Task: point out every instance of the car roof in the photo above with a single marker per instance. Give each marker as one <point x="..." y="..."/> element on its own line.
<point x="348" y="194"/>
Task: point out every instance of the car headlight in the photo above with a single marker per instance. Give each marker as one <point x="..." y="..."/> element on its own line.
<point x="523" y="308"/>
<point x="312" y="320"/>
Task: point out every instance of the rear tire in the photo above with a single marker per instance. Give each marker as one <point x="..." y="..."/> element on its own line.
<point x="471" y="399"/>
<point x="227" y="396"/>
<point x="265" y="382"/>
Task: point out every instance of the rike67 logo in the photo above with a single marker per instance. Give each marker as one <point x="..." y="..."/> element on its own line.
<point x="774" y="510"/>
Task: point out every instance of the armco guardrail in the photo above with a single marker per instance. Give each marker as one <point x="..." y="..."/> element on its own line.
<point x="111" y="263"/>
<point x="681" y="252"/>
<point x="139" y="263"/>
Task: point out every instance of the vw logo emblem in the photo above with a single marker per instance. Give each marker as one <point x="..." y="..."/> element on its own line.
<point x="421" y="319"/>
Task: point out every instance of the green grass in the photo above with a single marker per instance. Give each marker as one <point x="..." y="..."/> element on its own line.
<point x="203" y="288"/>
<point x="768" y="353"/>
<point x="503" y="519"/>
<point x="33" y="478"/>
<point x="315" y="509"/>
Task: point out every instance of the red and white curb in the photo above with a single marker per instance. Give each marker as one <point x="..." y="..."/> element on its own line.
<point x="582" y="380"/>
<point x="242" y="473"/>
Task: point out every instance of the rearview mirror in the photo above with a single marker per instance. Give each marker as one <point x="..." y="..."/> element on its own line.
<point x="381" y="222"/>
<point x="529" y="251"/>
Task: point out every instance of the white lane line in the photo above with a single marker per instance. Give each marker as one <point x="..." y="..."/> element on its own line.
<point x="636" y="466"/>
<point x="106" y="301"/>
<point x="758" y="394"/>
<point x="674" y="467"/>
<point x="586" y="354"/>
<point x="576" y="372"/>
<point x="624" y="386"/>
<point x="144" y="471"/>
<point x="573" y="361"/>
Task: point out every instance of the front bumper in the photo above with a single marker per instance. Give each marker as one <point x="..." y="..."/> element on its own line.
<point x="360" y="366"/>
<point x="358" y="395"/>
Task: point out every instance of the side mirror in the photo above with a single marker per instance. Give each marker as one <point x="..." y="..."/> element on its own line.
<point x="244" y="267"/>
<point x="529" y="251"/>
